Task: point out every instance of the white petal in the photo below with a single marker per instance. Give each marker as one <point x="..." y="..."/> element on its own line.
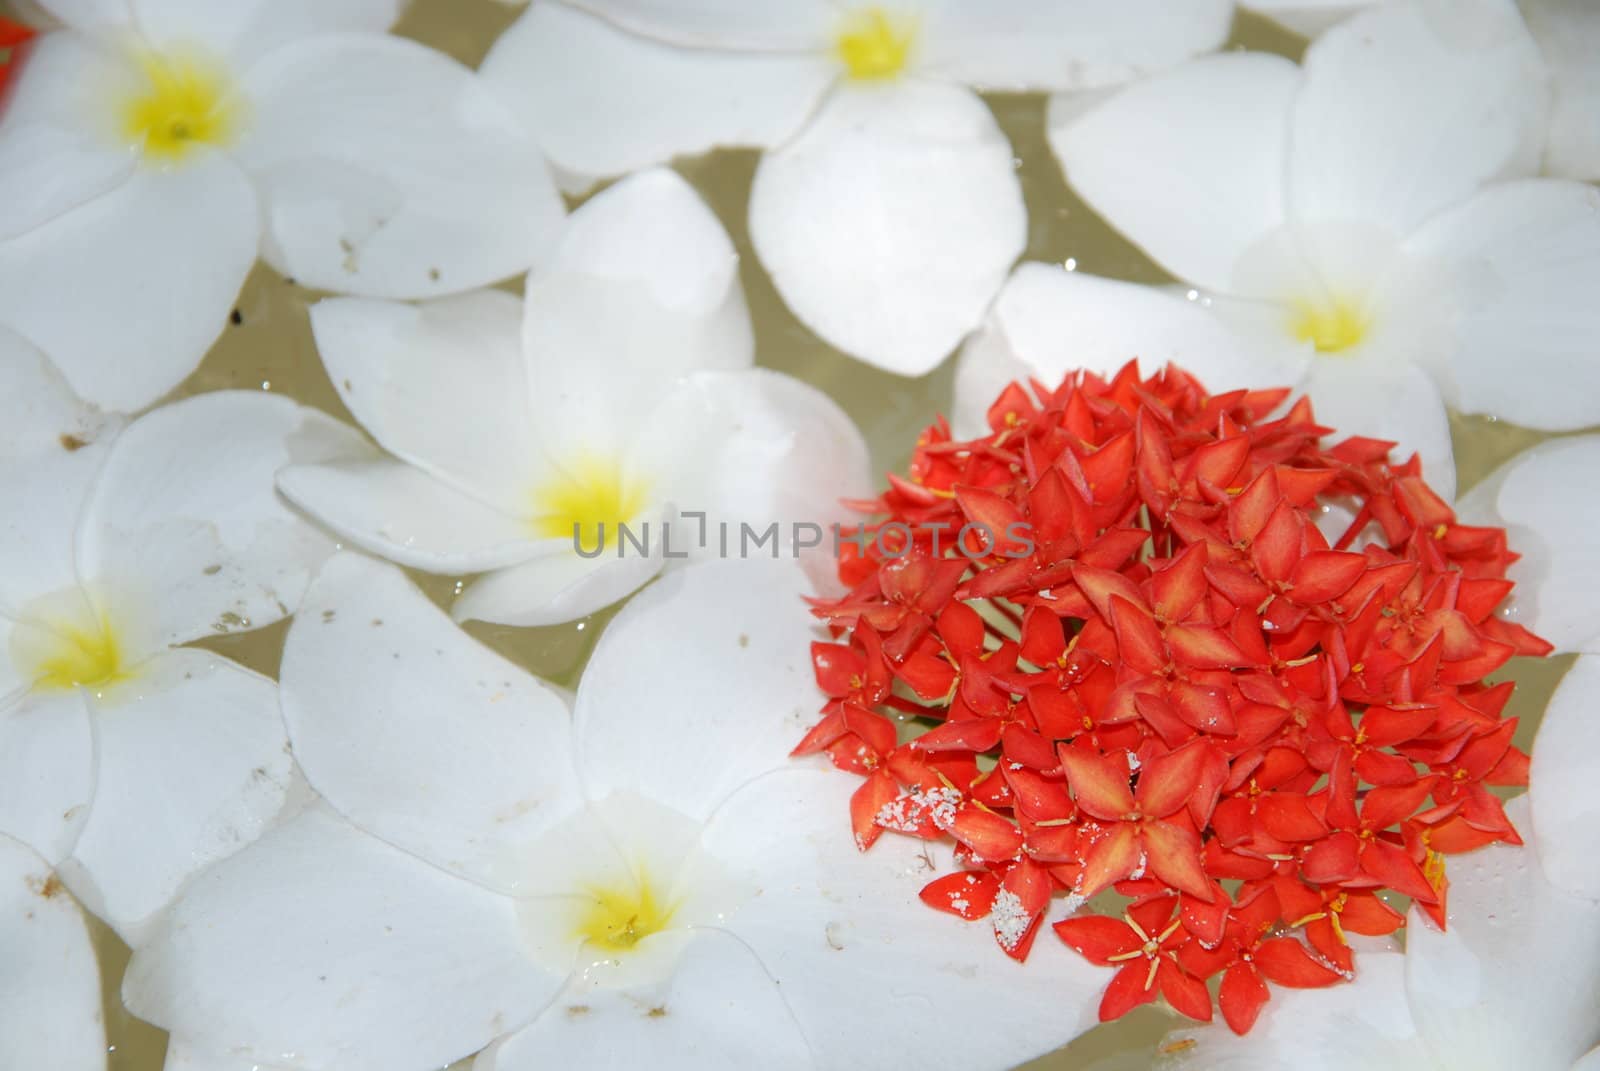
<point x="323" y="946"/>
<point x="1516" y="265"/>
<point x="1561" y="793"/>
<point x="440" y="385"/>
<point x="54" y="153"/>
<point x="754" y="447"/>
<point x="1589" y="1062"/>
<point x="386" y="169"/>
<point x="1373" y="391"/>
<point x="91" y="15"/>
<point x="602" y="101"/>
<point x="46" y="770"/>
<point x="827" y="911"/>
<point x="716" y="651"/>
<point x="245" y="29"/>
<point x="1538" y="497"/>
<point x="44" y="497"/>
<point x="1364" y="1023"/>
<point x="1048" y="321"/>
<point x="1515" y="980"/>
<point x="185" y="519"/>
<point x="127" y="292"/>
<point x="402" y="513"/>
<point x="184" y="1055"/>
<point x="1307" y="17"/>
<point x="38" y="412"/>
<point x="1222" y="124"/>
<point x="416" y="732"/>
<point x="719" y="1011"/>
<point x="642" y="289"/>
<point x="560" y="586"/>
<point x="1568" y="34"/>
<point x="1027" y="45"/>
<point x="765" y="25"/>
<point x="50" y="989"/>
<point x="191" y="763"/>
<point x="1406" y="110"/>
<point x="891" y="220"/>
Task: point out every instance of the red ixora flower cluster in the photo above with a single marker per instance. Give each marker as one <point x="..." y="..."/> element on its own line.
<point x="1180" y="687"/>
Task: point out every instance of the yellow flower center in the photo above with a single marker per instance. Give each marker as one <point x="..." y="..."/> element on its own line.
<point x="874" y="45"/>
<point x="1331" y="326"/>
<point x="181" y="102"/>
<point x="580" y="498"/>
<point x="62" y="654"/>
<point x="621" y="916"/>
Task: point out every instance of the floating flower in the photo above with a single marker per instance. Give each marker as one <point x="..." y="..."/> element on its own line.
<point x="1363" y="207"/>
<point x="1513" y="983"/>
<point x="150" y="151"/>
<point x="619" y="392"/>
<point x="886" y="208"/>
<point x="50" y="1016"/>
<point x="1149" y="670"/>
<point x="127" y="759"/>
<point x="652" y="874"/>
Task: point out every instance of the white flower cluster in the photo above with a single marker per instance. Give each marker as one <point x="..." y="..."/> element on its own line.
<point x="403" y="850"/>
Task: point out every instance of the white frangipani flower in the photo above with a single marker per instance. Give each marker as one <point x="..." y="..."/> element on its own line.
<point x="1356" y="206"/>
<point x="651" y="875"/>
<point x="1514" y="982"/>
<point x="152" y="148"/>
<point x="886" y="208"/>
<point x="50" y="985"/>
<point x="126" y="759"/>
<point x="38" y="410"/>
<point x="621" y="390"/>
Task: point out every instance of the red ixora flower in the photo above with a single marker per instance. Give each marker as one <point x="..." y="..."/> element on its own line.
<point x="1173" y="646"/>
<point x="13" y="35"/>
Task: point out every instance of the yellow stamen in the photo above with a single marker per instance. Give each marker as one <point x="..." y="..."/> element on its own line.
<point x="59" y="652"/>
<point x="586" y="494"/>
<point x="181" y="102"/>
<point x="1330" y="326"/>
<point x="874" y="45"/>
<point x="623" y="915"/>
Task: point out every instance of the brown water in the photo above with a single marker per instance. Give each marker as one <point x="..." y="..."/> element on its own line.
<point x="272" y="349"/>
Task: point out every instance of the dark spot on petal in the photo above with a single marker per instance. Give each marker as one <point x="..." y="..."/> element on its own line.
<point x="71" y="443"/>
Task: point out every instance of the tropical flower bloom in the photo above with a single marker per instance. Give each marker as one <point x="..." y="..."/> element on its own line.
<point x="1513" y="982"/>
<point x="50" y="1016"/>
<point x="620" y="391"/>
<point x="886" y="208"/>
<point x="652" y="874"/>
<point x="152" y="148"/>
<point x="1558" y="576"/>
<point x="1368" y="207"/>
<point x="126" y="759"/>
<point x="1180" y="681"/>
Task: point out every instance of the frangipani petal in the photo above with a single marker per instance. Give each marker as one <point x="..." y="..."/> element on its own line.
<point x="244" y="30"/>
<point x="39" y="414"/>
<point x="1048" y="321"/>
<point x="1558" y="576"/>
<point x="1030" y="45"/>
<point x="1564" y="807"/>
<point x="387" y="170"/>
<point x="46" y="770"/>
<point x="1307" y="17"/>
<point x="1568" y="35"/>
<point x="828" y="910"/>
<point x="732" y="637"/>
<point x="50" y="990"/>
<point x="417" y="733"/>
<point x="718" y="1011"/>
<point x="190" y="764"/>
<point x="1188" y="164"/>
<point x="1406" y="109"/>
<point x="356" y="955"/>
<point x="127" y="291"/>
<point x="891" y="220"/>
<point x="560" y="586"/>
<point x="558" y="68"/>
<point x="1377" y="393"/>
<point x="184" y="520"/>
<point x="767" y="25"/>
<point x="1515" y="980"/>
<point x="44" y="496"/>
<point x="185" y="1055"/>
<point x="440" y="385"/>
<point x="407" y="516"/>
<point x="1522" y="259"/>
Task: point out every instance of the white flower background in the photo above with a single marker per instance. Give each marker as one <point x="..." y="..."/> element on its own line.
<point x="298" y="398"/>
